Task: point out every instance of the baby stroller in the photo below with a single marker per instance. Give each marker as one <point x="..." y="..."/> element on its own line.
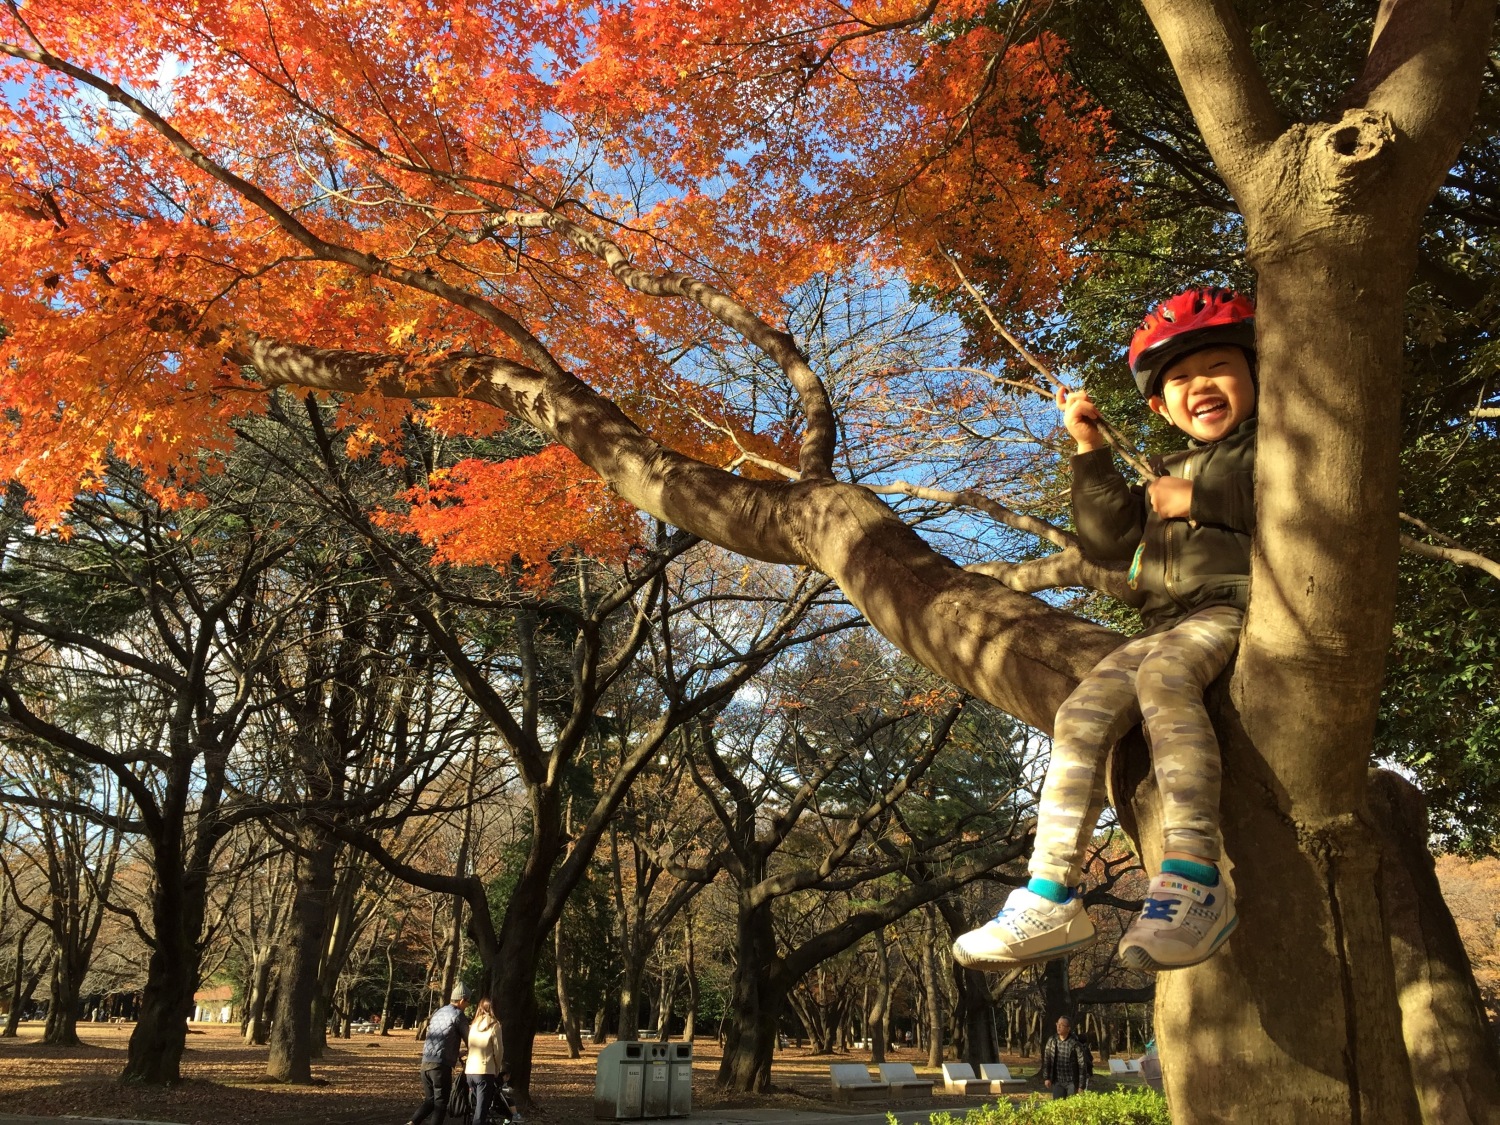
<point x="461" y="1102"/>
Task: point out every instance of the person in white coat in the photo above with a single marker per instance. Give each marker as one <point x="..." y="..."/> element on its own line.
<point x="482" y="1067"/>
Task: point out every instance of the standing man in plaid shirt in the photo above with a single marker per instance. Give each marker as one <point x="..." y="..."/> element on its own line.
<point x="1067" y="1065"/>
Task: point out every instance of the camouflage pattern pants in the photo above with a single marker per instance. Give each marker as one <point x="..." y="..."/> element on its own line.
<point x="1159" y="680"/>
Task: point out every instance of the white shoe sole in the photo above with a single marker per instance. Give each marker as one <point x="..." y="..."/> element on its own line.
<point x="1135" y="957"/>
<point x="998" y="965"/>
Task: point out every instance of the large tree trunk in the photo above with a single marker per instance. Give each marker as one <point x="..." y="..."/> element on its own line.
<point x="255" y="1029"/>
<point x="1302" y="1014"/>
<point x="62" y="1013"/>
<point x="878" y="1020"/>
<point x="972" y="1016"/>
<point x="1448" y="1037"/>
<point x="513" y="977"/>
<point x="757" y="1000"/>
<point x="297" y="986"/>
<point x="630" y="999"/>
<point x="155" y="1052"/>
<point x="564" y="996"/>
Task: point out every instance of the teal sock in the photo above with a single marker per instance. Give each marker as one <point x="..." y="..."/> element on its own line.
<point x="1205" y="873"/>
<point x="1047" y="888"/>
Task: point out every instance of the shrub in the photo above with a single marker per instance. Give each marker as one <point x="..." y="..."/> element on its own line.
<point x="1137" y="1106"/>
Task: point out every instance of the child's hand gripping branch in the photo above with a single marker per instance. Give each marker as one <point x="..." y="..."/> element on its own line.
<point x="1171" y="497"/>
<point x="1186" y="536"/>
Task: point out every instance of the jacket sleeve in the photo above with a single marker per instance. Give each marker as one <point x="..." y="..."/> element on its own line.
<point x="1226" y="498"/>
<point x="1110" y="515"/>
<point x="1085" y="1065"/>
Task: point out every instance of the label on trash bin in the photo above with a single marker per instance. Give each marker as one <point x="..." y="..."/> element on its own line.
<point x="658" y="1072"/>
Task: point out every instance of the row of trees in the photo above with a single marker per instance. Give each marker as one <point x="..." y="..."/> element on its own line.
<point x="260" y="737"/>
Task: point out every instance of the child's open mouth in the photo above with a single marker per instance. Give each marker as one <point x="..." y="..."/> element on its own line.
<point x="1210" y="411"/>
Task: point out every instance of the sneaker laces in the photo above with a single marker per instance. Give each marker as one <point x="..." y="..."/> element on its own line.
<point x="1023" y="919"/>
<point x="1177" y="907"/>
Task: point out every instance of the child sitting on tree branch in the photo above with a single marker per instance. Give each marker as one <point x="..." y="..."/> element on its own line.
<point x="1186" y="536"/>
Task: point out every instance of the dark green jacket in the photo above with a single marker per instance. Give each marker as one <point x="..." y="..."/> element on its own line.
<point x="1177" y="567"/>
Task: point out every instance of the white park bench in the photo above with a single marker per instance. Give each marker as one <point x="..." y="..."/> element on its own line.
<point x="1124" y="1068"/>
<point x="999" y="1077"/>
<point x="852" y="1083"/>
<point x="958" y="1078"/>
<point x="903" y="1081"/>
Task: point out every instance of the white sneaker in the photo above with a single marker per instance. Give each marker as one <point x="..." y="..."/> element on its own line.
<point x="1181" y="923"/>
<point x="1029" y="929"/>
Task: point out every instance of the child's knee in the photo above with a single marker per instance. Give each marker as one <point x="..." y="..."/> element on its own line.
<point x="1168" y="676"/>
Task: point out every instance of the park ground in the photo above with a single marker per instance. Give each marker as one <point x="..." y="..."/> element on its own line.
<point x="366" y="1080"/>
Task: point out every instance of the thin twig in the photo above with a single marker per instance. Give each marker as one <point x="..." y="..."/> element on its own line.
<point x="1452" y="554"/>
<point x="968" y="498"/>
<point x="1451" y="551"/>
<point x="1111" y="435"/>
<point x="745" y="457"/>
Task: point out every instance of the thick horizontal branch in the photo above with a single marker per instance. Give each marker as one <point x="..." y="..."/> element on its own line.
<point x="1009" y="649"/>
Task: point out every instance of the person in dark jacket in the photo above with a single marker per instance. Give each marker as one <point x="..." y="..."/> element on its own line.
<point x="447" y="1031"/>
<point x="1186" y="539"/>
<point x="1067" y="1064"/>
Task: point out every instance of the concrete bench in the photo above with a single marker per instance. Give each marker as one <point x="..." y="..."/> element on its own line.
<point x="998" y="1075"/>
<point x="959" y="1078"/>
<point x="852" y="1083"/>
<point x="904" y="1083"/>
<point x="1118" y="1068"/>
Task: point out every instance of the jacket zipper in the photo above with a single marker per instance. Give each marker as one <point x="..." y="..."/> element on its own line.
<point x="1169" y="582"/>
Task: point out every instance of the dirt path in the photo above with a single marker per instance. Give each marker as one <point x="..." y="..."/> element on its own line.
<point x="365" y="1080"/>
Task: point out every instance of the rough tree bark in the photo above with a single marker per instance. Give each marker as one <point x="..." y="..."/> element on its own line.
<point x="291" y="1038"/>
<point x="564" y="996"/>
<point x="1332" y="212"/>
<point x="932" y="990"/>
<point x="878" y="1020"/>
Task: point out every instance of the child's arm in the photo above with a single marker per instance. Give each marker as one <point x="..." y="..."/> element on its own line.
<point x="1110" y="515"/>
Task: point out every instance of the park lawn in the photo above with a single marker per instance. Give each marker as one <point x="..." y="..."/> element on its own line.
<point x="366" y="1079"/>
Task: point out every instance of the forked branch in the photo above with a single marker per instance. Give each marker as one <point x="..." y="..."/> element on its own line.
<point x="816" y="459"/>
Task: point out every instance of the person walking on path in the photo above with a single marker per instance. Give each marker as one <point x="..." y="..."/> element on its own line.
<point x="447" y="1031"/>
<point x="1067" y="1065"/>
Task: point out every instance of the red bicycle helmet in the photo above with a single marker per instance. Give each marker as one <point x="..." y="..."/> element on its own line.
<point x="1195" y="318"/>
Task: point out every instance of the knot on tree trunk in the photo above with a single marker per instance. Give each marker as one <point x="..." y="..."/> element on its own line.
<point x="1348" y="154"/>
<point x="1344" y="839"/>
<point x="1317" y="187"/>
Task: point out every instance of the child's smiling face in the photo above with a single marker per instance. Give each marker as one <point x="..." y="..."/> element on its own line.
<point x="1207" y="393"/>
